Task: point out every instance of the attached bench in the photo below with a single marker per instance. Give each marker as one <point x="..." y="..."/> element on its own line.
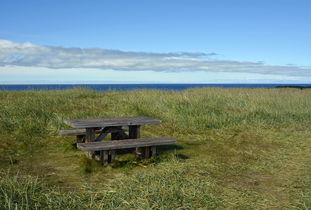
<point x="81" y="133"/>
<point x="107" y="148"/>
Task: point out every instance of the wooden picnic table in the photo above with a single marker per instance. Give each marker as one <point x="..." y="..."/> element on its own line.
<point x="94" y="147"/>
<point x="111" y="125"/>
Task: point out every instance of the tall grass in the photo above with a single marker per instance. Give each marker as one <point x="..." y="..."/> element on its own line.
<point x="237" y="148"/>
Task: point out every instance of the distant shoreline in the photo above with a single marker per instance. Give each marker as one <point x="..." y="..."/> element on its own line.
<point x="294" y="86"/>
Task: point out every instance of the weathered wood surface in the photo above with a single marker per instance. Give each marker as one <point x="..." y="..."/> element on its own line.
<point x="147" y="152"/>
<point x="74" y="132"/>
<point x="115" y="121"/>
<point x="134" y="133"/>
<point x="90" y="134"/>
<point x="82" y="131"/>
<point x="125" y="144"/>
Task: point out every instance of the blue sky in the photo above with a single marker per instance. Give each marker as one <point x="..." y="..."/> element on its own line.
<point x="151" y="41"/>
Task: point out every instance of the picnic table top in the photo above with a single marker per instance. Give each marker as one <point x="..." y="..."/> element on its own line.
<point x="115" y="121"/>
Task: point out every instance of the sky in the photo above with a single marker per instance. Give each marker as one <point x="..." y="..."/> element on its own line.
<point x="155" y="41"/>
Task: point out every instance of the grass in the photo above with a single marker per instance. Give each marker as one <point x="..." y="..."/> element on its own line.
<point x="237" y="149"/>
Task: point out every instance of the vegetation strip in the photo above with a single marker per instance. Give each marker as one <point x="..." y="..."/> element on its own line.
<point x="237" y="148"/>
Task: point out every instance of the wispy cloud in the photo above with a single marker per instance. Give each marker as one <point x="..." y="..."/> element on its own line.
<point x="33" y="55"/>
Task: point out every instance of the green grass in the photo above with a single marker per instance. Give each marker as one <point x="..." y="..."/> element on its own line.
<point x="237" y="149"/>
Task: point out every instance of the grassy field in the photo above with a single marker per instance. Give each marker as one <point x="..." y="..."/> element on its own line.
<point x="237" y="149"/>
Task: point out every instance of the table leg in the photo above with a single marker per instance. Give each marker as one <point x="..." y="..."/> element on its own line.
<point x="112" y="156"/>
<point x="90" y="137"/>
<point x="107" y="156"/>
<point x="90" y="134"/>
<point x="134" y="133"/>
<point x="147" y="152"/>
<point x="104" y="157"/>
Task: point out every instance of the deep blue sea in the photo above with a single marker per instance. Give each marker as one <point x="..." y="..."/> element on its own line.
<point x="105" y="87"/>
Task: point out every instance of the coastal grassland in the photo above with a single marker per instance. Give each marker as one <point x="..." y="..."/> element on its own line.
<point x="237" y="148"/>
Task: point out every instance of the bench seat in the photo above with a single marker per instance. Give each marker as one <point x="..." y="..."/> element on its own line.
<point x="82" y="131"/>
<point x="125" y="144"/>
<point x="74" y="132"/>
<point x="107" y="148"/>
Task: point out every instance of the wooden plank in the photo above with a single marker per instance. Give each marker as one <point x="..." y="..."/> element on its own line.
<point x="147" y="152"/>
<point x="124" y="144"/>
<point x="74" y="132"/>
<point x="82" y="131"/>
<point x="116" y="121"/>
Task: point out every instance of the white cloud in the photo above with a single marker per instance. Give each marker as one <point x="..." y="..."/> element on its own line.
<point x="41" y="75"/>
<point x="32" y="55"/>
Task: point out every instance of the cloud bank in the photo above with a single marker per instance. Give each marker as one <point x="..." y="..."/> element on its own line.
<point x="32" y="55"/>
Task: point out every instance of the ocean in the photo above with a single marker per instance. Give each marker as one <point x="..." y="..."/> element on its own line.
<point x="124" y="87"/>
